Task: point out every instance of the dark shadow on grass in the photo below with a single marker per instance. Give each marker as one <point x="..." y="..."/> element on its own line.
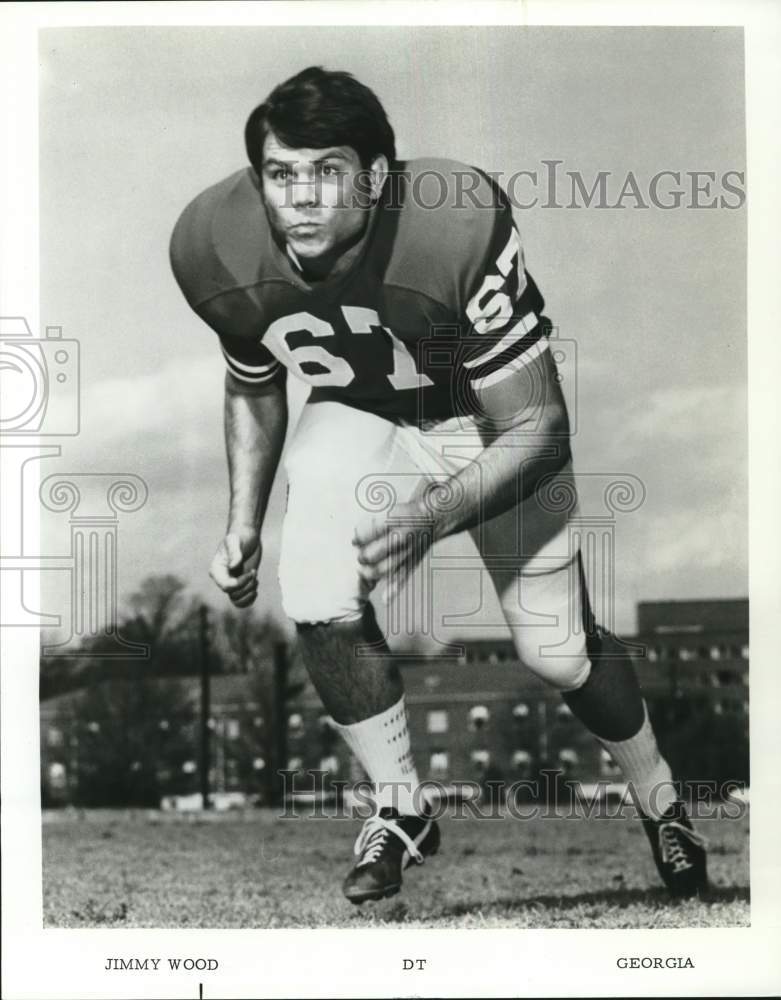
<point x="619" y="898"/>
<point x="95" y="915"/>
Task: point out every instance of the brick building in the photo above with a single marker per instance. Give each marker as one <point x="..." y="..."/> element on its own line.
<point x="696" y="646"/>
<point x="481" y="716"/>
<point x="486" y="710"/>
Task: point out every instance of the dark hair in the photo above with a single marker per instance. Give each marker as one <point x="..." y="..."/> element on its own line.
<point x="317" y="108"/>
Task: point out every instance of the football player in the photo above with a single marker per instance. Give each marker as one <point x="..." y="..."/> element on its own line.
<point x="398" y="291"/>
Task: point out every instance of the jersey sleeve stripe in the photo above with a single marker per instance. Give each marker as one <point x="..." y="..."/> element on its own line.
<point x="248" y="369"/>
<point x="253" y="379"/>
<point x="255" y="375"/>
<point x="513" y="365"/>
<point x="523" y="327"/>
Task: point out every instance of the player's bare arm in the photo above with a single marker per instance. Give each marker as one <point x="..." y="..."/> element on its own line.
<point x="525" y="429"/>
<point x="255" y="426"/>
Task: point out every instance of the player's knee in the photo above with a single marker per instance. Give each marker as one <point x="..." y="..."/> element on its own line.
<point x="318" y="589"/>
<point x="307" y="613"/>
<point x="308" y="605"/>
<point x="561" y="668"/>
<point x="308" y="602"/>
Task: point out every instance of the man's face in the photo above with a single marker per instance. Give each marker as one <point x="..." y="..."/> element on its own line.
<point x="318" y="199"/>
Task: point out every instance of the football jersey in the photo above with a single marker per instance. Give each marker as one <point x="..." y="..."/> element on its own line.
<point x="436" y="305"/>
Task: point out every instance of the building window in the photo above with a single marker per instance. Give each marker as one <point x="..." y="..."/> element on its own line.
<point x="607" y="766"/>
<point x="563" y="711"/>
<point x="715" y="652"/>
<point x="478" y="717"/>
<point x="55" y="737"/>
<point x="57" y="775"/>
<point x="258" y="764"/>
<point x="481" y="758"/>
<point x="330" y="764"/>
<point x="431" y="681"/>
<point x="521" y="711"/>
<point x="744" y="652"/>
<point x="232" y="729"/>
<point x="257" y="721"/>
<point x="189" y="767"/>
<point x="295" y="724"/>
<point x="686" y="654"/>
<point x="437" y="721"/>
<point x="522" y="762"/>
<point x="568" y="760"/>
<point x="295" y="764"/>
<point x="438" y="765"/>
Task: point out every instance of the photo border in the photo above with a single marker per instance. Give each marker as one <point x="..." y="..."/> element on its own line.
<point x="67" y="963"/>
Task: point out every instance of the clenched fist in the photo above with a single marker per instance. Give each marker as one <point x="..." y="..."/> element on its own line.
<point x="390" y="549"/>
<point x="235" y="565"/>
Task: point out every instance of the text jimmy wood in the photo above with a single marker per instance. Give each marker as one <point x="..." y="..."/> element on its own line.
<point x="152" y="964"/>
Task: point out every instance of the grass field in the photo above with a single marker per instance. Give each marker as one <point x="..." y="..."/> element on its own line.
<point x="137" y="869"/>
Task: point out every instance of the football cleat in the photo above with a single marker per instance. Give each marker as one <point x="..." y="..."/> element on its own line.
<point x="387" y="844"/>
<point x="679" y="852"/>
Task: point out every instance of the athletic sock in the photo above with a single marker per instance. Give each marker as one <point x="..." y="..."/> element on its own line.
<point x="382" y="745"/>
<point x="645" y="769"/>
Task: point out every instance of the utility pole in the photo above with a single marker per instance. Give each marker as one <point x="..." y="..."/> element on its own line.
<point x="542" y="733"/>
<point x="205" y="732"/>
<point x="279" y="723"/>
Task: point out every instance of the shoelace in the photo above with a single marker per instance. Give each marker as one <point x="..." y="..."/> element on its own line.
<point x="374" y="836"/>
<point x="673" y="848"/>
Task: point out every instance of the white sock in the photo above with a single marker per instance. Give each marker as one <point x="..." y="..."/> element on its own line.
<point x="645" y="768"/>
<point x="382" y="745"/>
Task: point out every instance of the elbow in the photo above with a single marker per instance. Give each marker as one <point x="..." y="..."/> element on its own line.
<point x="556" y="421"/>
<point x="556" y="430"/>
<point x="563" y="453"/>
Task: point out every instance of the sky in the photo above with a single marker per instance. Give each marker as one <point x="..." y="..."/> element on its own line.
<point x="134" y="122"/>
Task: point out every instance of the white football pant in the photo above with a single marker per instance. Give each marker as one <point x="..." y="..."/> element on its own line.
<point x="344" y="466"/>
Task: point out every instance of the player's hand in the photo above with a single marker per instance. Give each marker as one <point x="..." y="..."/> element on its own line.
<point x="235" y="565"/>
<point x="389" y="548"/>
